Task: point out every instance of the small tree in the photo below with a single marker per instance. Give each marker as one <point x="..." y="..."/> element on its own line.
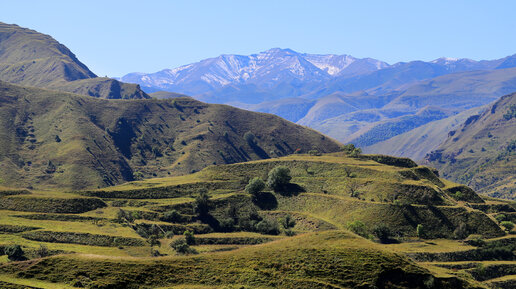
<point x="181" y="247"/>
<point x="172" y="216"/>
<point x="353" y="186"/>
<point x="278" y="178"/>
<point x="255" y="186"/>
<point x="189" y="237"/>
<point x="42" y="251"/>
<point x="202" y="204"/>
<point x="358" y="228"/>
<point x="249" y="138"/>
<point x="14" y="252"/>
<point x="420" y="231"/>
<point x="508" y="225"/>
<point x="383" y="233"/>
<point x="268" y="226"/>
<point x="288" y="222"/>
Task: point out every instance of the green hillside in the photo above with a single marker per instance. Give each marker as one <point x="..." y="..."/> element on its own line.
<point x="481" y="153"/>
<point x="416" y="143"/>
<point x="30" y="58"/>
<point x="297" y="236"/>
<point x="53" y="139"/>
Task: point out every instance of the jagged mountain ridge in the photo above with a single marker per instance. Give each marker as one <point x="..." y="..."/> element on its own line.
<point x="265" y="70"/>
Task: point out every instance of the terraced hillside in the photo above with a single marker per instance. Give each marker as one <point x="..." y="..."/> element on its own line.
<point x="54" y="139"/>
<point x="30" y="58"/>
<point x="411" y="230"/>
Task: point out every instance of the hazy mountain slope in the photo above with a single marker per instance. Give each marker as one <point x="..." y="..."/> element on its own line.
<point x="455" y="92"/>
<point x="58" y="139"/>
<point x="291" y="109"/>
<point x="482" y="152"/>
<point x="31" y="58"/>
<point x="416" y="143"/>
<point x="383" y="130"/>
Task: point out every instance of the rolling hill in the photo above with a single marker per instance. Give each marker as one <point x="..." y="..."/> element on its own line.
<point x="56" y="139"/>
<point x="481" y="152"/>
<point x="30" y="58"/>
<point x="124" y="236"/>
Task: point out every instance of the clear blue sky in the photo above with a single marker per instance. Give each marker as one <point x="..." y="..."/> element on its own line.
<point x="117" y="37"/>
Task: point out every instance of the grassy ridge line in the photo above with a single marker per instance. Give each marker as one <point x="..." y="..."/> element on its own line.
<point x="65" y="141"/>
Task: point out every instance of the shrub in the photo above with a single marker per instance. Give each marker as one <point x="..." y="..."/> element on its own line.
<point x="358" y="228"/>
<point x="172" y="216"/>
<point x="189" y="237"/>
<point x="249" y="138"/>
<point x="42" y="251"/>
<point x="255" y="186"/>
<point x="420" y="231"/>
<point x="181" y="247"/>
<point x="383" y="233"/>
<point x="169" y="234"/>
<point x="14" y="252"/>
<point x="202" y="203"/>
<point x="288" y="222"/>
<point x="508" y="225"/>
<point x="500" y="218"/>
<point x="278" y="178"/>
<point x="268" y="226"/>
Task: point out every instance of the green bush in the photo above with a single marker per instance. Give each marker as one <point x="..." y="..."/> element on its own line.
<point x="358" y="228"/>
<point x="249" y="138"/>
<point x="500" y="218"/>
<point x="82" y="238"/>
<point x="172" y="216"/>
<point x="181" y="247"/>
<point x="420" y="231"/>
<point x="508" y="225"/>
<point x="14" y="252"/>
<point x="255" y="186"/>
<point x="189" y="237"/>
<point x="278" y="178"/>
<point x="383" y="233"/>
<point x="288" y="222"/>
<point x="202" y="206"/>
<point x="268" y="226"/>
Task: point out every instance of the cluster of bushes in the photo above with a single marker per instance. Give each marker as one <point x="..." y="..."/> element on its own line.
<point x="392" y="161"/>
<point x="278" y="180"/>
<point x="16" y="228"/>
<point x="231" y="240"/>
<point x="51" y="205"/>
<point x="351" y="150"/>
<point x="82" y="238"/>
<point x="380" y="232"/>
<point x="59" y="217"/>
<point x="504" y="222"/>
<point x="4" y="193"/>
<point x="159" y="192"/>
<point x="14" y="252"/>
<point x="487" y="251"/>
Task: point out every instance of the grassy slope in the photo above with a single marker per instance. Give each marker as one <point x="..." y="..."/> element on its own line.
<point x="477" y="154"/>
<point x="30" y="58"/>
<point x="52" y="139"/>
<point x="327" y="259"/>
<point x="416" y="143"/>
<point x="321" y="260"/>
